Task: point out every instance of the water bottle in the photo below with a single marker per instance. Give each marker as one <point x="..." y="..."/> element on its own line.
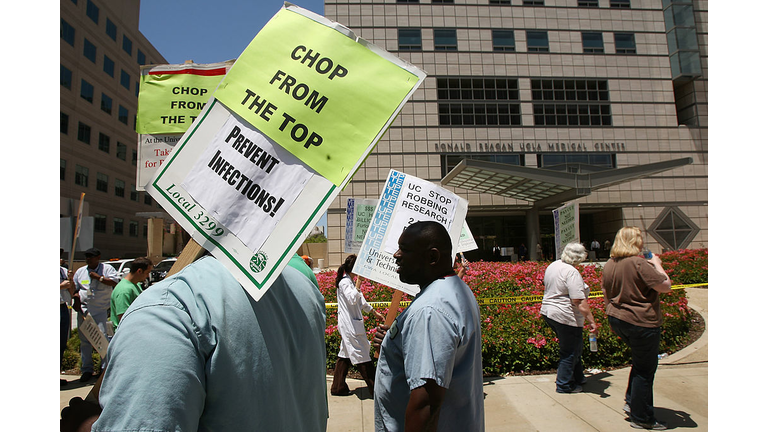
<point x="647" y="254"/>
<point x="593" y="342"/>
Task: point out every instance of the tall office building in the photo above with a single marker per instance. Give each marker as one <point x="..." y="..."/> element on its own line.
<point x="530" y="104"/>
<point x="101" y="52"/>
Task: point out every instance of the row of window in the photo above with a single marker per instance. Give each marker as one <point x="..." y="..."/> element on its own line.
<point x="92" y="11"/>
<point x="118" y="226"/>
<point x="82" y="178"/>
<point x="84" y="136"/>
<point x="466" y="101"/>
<point x="619" y="4"/>
<point x="550" y="161"/>
<point x="87" y="92"/>
<point x="409" y="39"/>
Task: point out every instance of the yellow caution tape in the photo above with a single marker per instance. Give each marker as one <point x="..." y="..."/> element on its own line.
<point x="508" y="300"/>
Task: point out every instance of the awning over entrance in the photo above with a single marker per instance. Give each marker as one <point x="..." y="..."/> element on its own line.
<point x="544" y="187"/>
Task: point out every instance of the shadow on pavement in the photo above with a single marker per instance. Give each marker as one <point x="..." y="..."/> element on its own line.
<point x="675" y="419"/>
<point x="596" y="385"/>
<point x="74" y="383"/>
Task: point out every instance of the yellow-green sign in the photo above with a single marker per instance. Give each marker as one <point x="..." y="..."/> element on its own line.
<point x="172" y="96"/>
<point x="319" y="94"/>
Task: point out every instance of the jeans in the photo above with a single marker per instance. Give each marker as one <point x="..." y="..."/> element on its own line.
<point x="644" y="345"/>
<point x="570" y="371"/>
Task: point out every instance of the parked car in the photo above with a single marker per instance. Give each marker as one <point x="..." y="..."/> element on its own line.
<point x="161" y="269"/>
<point x="122" y="266"/>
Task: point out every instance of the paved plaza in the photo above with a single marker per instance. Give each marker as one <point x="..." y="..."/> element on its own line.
<point x="530" y="403"/>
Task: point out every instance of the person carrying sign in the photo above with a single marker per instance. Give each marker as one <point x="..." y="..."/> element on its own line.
<point x="197" y="352"/>
<point x="429" y="374"/>
<point x="355" y="348"/>
<point x="94" y="283"/>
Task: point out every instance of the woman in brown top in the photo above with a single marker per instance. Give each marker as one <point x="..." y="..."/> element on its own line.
<point x="631" y="285"/>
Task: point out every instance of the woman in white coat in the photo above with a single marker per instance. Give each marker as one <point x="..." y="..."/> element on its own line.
<point x="355" y="349"/>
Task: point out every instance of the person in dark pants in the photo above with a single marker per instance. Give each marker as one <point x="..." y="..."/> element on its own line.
<point x="66" y="290"/>
<point x="631" y="286"/>
<point x="565" y="309"/>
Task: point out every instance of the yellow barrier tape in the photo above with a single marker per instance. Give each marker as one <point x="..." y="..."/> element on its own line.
<point x="508" y="300"/>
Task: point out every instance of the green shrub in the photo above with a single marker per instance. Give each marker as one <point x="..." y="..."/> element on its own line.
<point x="72" y="354"/>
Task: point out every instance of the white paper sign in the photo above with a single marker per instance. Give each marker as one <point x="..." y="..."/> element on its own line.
<point x="244" y="181"/>
<point x="466" y="240"/>
<point x="405" y="199"/>
<point x="566" y="220"/>
<point x="91" y="331"/>
<point x="359" y="214"/>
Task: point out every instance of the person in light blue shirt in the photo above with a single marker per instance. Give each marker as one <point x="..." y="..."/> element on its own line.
<point x="429" y="374"/>
<point x="197" y="353"/>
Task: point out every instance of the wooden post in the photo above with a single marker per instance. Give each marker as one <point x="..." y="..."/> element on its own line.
<point x="77" y="231"/>
<point x="155" y="240"/>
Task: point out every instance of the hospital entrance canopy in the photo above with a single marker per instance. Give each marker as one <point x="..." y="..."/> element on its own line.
<point x="543" y="187"/>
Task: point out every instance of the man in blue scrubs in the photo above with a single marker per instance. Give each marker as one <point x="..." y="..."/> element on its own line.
<point x="430" y="371"/>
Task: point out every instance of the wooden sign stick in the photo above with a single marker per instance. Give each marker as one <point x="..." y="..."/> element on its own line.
<point x="397" y="295"/>
<point x="77" y="231"/>
<point x="188" y="255"/>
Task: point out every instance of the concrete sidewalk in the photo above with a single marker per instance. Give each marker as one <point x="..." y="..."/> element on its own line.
<point x="530" y="403"/>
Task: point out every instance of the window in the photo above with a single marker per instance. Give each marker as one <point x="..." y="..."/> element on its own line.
<point x="533" y="2"/>
<point x="109" y="66"/>
<point x="559" y="102"/>
<point x="122" y="151"/>
<point x="592" y="42"/>
<point x="673" y="229"/>
<point x="134" y="157"/>
<point x="409" y="39"/>
<point x="64" y="124"/>
<point x="119" y="188"/>
<point x="588" y="3"/>
<point x="445" y="40"/>
<point x="442" y="1"/>
<point x="127" y="45"/>
<point x="537" y="41"/>
<point x="122" y="114"/>
<point x="92" y="11"/>
<point x="106" y="104"/>
<point x="623" y="4"/>
<point x="499" y="2"/>
<point x="103" y="142"/>
<point x="67" y="32"/>
<point x="134" y="196"/>
<point x="503" y="40"/>
<point x="625" y="43"/>
<point x="99" y="223"/>
<point x="84" y="133"/>
<point x="407" y="1"/>
<point x="576" y="162"/>
<point x="147" y="199"/>
<point x="466" y="101"/>
<point x="62" y="169"/>
<point x="81" y="176"/>
<point x="133" y="228"/>
<point x="102" y="182"/>
<point x="141" y="58"/>
<point x="65" y="78"/>
<point x="117" y="226"/>
<point x="86" y="90"/>
<point x="111" y="30"/>
<point x="125" y="79"/>
<point x="89" y="50"/>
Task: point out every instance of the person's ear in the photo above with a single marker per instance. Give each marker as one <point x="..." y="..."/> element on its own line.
<point x="434" y="256"/>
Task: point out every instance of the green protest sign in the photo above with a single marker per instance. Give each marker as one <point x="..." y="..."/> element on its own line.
<point x="172" y="96"/>
<point x="323" y="95"/>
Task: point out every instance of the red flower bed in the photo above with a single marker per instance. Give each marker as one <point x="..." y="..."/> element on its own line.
<point x="515" y="338"/>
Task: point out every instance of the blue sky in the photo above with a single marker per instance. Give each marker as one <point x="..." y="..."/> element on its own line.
<point x="205" y="31"/>
<point x="208" y="31"/>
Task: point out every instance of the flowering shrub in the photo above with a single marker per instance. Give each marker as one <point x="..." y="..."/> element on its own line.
<point x="515" y="337"/>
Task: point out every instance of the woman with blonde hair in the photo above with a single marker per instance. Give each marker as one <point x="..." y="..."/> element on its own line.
<point x="631" y="285"/>
<point x="564" y="309"/>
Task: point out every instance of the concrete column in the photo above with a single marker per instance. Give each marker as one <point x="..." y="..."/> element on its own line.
<point x="533" y="232"/>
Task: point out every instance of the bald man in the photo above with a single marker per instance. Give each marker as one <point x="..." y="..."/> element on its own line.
<point x="430" y="371"/>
